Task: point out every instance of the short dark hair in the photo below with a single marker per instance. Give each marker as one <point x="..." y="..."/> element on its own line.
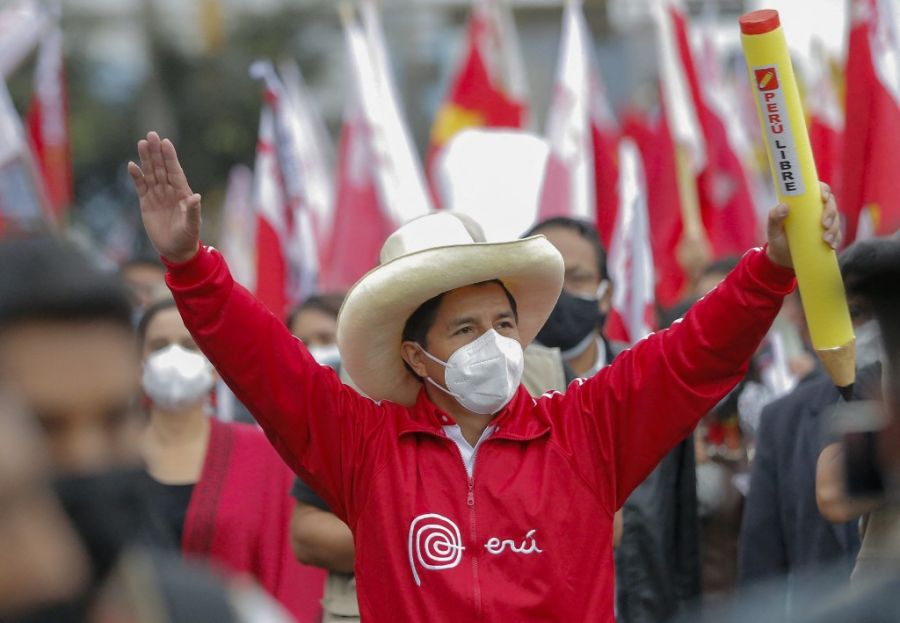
<point x="420" y="321"/>
<point x="44" y="278"/>
<point x="329" y="304"/>
<point x="583" y="228"/>
<point x="150" y="313"/>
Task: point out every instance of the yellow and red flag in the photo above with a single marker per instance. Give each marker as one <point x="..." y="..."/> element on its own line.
<point x="489" y="87"/>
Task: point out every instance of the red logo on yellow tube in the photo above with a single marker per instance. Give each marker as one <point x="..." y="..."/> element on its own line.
<point x="766" y="79"/>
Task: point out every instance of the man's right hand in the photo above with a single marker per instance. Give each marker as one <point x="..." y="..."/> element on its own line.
<point x="169" y="209"/>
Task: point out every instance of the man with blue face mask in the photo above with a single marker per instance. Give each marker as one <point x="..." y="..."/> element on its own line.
<point x="468" y="499"/>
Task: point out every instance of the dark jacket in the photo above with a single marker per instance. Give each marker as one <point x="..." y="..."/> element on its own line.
<point x="783" y="531"/>
<point x="658" y="559"/>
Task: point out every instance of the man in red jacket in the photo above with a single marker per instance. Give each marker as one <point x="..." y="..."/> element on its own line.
<point x="434" y="338"/>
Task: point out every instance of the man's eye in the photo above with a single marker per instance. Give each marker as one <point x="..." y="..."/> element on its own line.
<point x="463" y="331"/>
<point x="507" y="324"/>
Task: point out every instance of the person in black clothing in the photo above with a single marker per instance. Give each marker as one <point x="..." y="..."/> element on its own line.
<point x="783" y="532"/>
<point x="67" y="354"/>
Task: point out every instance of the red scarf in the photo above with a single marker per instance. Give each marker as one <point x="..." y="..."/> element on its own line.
<point x="239" y="517"/>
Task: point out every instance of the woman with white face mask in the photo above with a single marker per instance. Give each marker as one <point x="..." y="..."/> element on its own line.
<point x="200" y="470"/>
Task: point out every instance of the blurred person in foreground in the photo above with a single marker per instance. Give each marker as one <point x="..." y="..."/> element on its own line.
<point x="67" y="354"/>
<point x="875" y="595"/>
<point x="223" y="492"/>
<point x="41" y="559"/>
<point x="435" y="335"/>
<point x="655" y="535"/>
<point x="783" y="533"/>
<point x="878" y="513"/>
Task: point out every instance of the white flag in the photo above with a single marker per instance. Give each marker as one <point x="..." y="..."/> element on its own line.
<point x="630" y="257"/>
<point x="22" y="24"/>
<point x="398" y="170"/>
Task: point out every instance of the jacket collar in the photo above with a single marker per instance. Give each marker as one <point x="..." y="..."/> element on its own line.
<point x="518" y="421"/>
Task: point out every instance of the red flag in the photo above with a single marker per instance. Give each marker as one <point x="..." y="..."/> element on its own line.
<point x="272" y="220"/>
<point x="48" y="123"/>
<point x="581" y="176"/>
<point x="379" y="181"/>
<point x="871" y="186"/>
<point x="360" y="224"/>
<point x="651" y="134"/>
<point x="395" y="164"/>
<point x="488" y="89"/>
<point x="298" y="238"/>
<point x="726" y="204"/>
<point x="826" y="118"/>
<point x="23" y="202"/>
<point x="630" y="259"/>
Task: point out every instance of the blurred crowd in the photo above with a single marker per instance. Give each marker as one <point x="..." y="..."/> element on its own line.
<point x="136" y="488"/>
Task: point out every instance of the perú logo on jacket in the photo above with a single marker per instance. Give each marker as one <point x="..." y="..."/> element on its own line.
<point x="435" y="544"/>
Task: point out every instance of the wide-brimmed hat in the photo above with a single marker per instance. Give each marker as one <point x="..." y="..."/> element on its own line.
<point x="424" y="258"/>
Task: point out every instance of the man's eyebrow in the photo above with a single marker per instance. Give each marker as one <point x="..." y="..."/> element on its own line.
<point x="505" y="314"/>
<point x="458" y="322"/>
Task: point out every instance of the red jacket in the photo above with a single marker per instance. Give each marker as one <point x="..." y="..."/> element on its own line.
<point x="529" y="536"/>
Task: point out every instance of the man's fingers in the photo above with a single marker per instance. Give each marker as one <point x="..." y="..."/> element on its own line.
<point x="156" y="159"/>
<point x="191" y="207"/>
<point x="776" y="221"/>
<point x="777" y="215"/>
<point x="174" y="172"/>
<point x="138" y="178"/>
<point x="830" y="220"/>
<point x="146" y="165"/>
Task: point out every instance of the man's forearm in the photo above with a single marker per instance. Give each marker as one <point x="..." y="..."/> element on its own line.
<point x="321" y="539"/>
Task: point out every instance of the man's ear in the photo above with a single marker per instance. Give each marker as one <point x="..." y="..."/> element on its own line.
<point x="412" y="355"/>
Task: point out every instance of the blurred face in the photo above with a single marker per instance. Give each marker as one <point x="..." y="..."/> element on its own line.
<point x="41" y="560"/>
<point x="315" y="327"/>
<point x="145" y="282"/>
<point x="464" y="315"/>
<point x="582" y="276"/>
<point x="166" y="328"/>
<point x="79" y="380"/>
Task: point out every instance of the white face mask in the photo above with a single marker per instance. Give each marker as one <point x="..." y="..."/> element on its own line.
<point x="326" y="355"/>
<point x="483" y="375"/>
<point x="175" y="377"/>
<point x="869" y="348"/>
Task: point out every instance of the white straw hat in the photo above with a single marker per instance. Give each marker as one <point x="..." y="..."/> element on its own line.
<point x="426" y="257"/>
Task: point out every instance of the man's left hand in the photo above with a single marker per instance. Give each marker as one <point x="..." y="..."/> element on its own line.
<point x="778" y="250"/>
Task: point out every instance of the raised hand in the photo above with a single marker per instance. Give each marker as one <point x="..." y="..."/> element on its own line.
<point x="778" y="250"/>
<point x="170" y="210"/>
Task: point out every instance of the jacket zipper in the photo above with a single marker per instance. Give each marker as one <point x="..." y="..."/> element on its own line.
<point x="470" y="502"/>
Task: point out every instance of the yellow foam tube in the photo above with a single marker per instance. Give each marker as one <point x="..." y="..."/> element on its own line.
<point x="796" y="184"/>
